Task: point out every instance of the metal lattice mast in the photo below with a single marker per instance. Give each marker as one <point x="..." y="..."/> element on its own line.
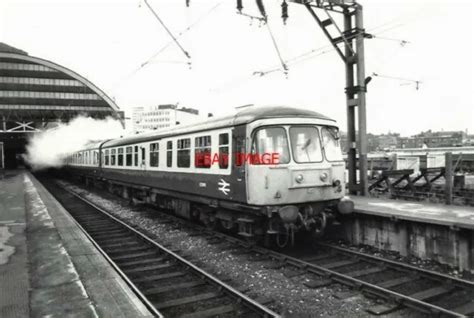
<point x="352" y="39"/>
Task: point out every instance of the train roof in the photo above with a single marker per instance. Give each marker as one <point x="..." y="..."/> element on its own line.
<point x="244" y="116"/>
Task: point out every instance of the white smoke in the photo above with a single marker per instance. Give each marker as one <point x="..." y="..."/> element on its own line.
<point x="49" y="148"/>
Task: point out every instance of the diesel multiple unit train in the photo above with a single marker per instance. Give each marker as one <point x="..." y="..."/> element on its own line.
<point x="266" y="172"/>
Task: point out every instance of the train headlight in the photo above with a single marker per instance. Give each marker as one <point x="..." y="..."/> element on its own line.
<point x="336" y="183"/>
<point x="323" y="176"/>
<point x="299" y="178"/>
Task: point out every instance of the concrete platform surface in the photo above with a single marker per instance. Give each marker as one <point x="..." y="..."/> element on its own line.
<point x="47" y="265"/>
<point x="441" y="214"/>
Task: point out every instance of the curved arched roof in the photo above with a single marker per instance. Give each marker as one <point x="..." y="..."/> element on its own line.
<point x="31" y="83"/>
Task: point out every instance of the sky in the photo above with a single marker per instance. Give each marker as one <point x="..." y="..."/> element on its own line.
<point x="107" y="41"/>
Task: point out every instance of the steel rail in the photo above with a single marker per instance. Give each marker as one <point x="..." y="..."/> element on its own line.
<point x="228" y="290"/>
<point x="345" y="279"/>
<point x="134" y="288"/>
<point x="427" y="273"/>
<point x="361" y="285"/>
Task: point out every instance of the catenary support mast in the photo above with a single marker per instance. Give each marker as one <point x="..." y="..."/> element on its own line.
<point x="351" y="37"/>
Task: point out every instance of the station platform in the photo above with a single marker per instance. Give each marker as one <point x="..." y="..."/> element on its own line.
<point x="48" y="267"/>
<point x="435" y="232"/>
<point x="448" y="215"/>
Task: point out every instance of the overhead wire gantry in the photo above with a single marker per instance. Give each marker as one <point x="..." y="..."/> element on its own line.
<point x="348" y="41"/>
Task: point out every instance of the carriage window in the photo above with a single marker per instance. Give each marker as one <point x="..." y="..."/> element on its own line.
<point x="120" y="157"/>
<point x="113" y="158"/>
<point x="154" y="154"/>
<point x="86" y="157"/>
<point x="184" y="153"/>
<point x="169" y="153"/>
<point x="96" y="158"/>
<point x="268" y="142"/>
<point x="331" y="144"/>
<point x="223" y="151"/>
<point x="107" y="158"/>
<point x="128" y="156"/>
<point x="202" y="152"/>
<point x="305" y="144"/>
<point x="135" y="155"/>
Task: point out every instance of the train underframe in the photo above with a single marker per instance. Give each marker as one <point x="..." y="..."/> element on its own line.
<point x="271" y="225"/>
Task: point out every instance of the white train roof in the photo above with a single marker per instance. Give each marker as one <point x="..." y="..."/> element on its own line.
<point x="245" y="116"/>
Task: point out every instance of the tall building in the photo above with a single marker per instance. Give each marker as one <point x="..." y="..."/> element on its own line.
<point x="146" y="119"/>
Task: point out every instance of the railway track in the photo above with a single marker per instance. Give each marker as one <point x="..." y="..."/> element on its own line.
<point x="400" y="284"/>
<point x="169" y="285"/>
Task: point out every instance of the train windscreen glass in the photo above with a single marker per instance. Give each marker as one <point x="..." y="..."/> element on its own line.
<point x="331" y="144"/>
<point x="305" y="144"/>
<point x="272" y="140"/>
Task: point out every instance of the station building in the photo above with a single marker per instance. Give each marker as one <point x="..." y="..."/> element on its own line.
<point x="37" y="94"/>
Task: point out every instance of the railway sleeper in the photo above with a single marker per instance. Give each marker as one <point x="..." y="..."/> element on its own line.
<point x="158" y="277"/>
<point x="142" y="262"/>
<point x="175" y="287"/>
<point x="186" y="300"/>
<point x="134" y="255"/>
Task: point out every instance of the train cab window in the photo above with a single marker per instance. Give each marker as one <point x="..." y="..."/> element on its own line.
<point x="331" y="144"/>
<point x="120" y="157"/>
<point x="107" y="157"/>
<point x="113" y="157"/>
<point x="223" y="151"/>
<point x="128" y="156"/>
<point x="135" y="156"/>
<point x="184" y="153"/>
<point x="154" y="154"/>
<point x="305" y="144"/>
<point x="202" y="152"/>
<point x="169" y="154"/>
<point x="270" y="145"/>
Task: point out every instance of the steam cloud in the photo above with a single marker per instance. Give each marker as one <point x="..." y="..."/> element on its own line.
<point x="49" y="148"/>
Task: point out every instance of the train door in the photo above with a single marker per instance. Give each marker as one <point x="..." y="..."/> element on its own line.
<point x="142" y="158"/>
<point x="268" y="165"/>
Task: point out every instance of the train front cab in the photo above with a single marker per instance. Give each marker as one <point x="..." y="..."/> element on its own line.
<point x="304" y="189"/>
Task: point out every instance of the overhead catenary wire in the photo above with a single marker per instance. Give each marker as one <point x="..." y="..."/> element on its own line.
<point x="163" y="48"/>
<point x="264" y="19"/>
<point x="282" y="61"/>
<point x="167" y="30"/>
<point x="329" y="47"/>
<point x="167" y="45"/>
<point x="402" y="79"/>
